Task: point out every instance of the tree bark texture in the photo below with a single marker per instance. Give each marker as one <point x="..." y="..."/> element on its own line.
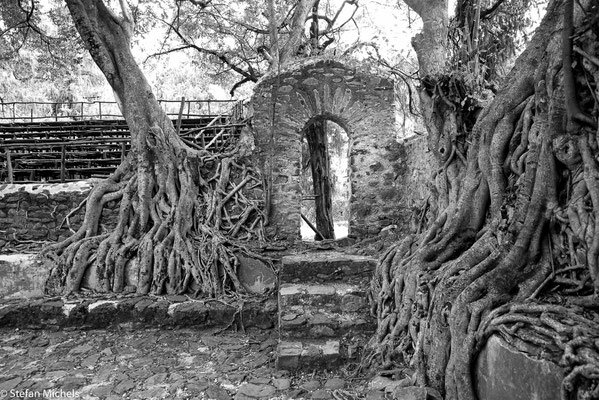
<point x="173" y="197"/>
<point x="518" y="207"/>
<point x="316" y="136"/>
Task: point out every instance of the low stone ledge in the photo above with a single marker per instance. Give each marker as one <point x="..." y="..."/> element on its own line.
<point x="135" y="311"/>
<point x="327" y="266"/>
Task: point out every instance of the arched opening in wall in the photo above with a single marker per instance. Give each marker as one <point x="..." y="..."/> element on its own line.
<point x="325" y="181"/>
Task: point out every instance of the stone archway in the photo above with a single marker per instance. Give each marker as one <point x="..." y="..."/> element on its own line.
<point x="363" y="105"/>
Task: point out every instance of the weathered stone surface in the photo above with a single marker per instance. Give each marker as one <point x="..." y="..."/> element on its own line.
<point x="334" y="384"/>
<point x="21" y="275"/>
<point x="143" y="364"/>
<point x="321" y="394"/>
<point x="360" y="103"/>
<point x="505" y="373"/>
<point x="288" y="354"/>
<point x="325" y="266"/>
<point x="131" y="312"/>
<point x="35" y="211"/>
<point x="410" y="393"/>
<point x="255" y="275"/>
<point x="10" y="384"/>
<point x="253" y="391"/>
<point x="191" y="312"/>
<point x="281" y="383"/>
<point x="311" y="385"/>
<point x="375" y="395"/>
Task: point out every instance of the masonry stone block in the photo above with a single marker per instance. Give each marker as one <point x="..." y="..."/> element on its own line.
<point x="36" y="211"/>
<point x="360" y="102"/>
<point x="504" y="373"/>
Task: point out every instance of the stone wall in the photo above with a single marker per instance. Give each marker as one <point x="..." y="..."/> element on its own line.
<point x="416" y="168"/>
<point x="362" y="103"/>
<point x="34" y="212"/>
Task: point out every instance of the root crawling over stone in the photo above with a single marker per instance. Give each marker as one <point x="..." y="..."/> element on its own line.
<point x="516" y="232"/>
<point x="183" y="217"/>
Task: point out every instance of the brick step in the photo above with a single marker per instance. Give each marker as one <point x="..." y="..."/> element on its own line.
<point x="327" y="266"/>
<point x="336" y="297"/>
<point x="309" y="355"/>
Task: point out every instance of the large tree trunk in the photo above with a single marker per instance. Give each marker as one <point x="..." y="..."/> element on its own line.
<point x="316" y="136"/>
<point x="170" y="211"/>
<point x="507" y="207"/>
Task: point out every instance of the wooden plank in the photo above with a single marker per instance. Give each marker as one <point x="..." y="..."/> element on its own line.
<point x="9" y="166"/>
<point x="60" y="151"/>
<point x="311" y="225"/>
<point x="180" y="115"/>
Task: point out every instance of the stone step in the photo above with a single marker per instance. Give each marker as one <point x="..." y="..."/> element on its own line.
<point x="327" y="266"/>
<point x="335" y="297"/>
<point x="309" y="355"/>
<point x="321" y="311"/>
<point x="321" y="323"/>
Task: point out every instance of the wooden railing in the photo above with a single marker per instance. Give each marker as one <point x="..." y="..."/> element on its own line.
<point x="75" y="150"/>
<point x="32" y="111"/>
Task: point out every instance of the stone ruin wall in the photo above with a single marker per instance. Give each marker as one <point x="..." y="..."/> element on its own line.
<point x="35" y="212"/>
<point x="389" y="177"/>
<point x="362" y="103"/>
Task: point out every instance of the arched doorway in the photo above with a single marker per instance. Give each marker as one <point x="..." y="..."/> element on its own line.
<point x="362" y="103"/>
<point x="324" y="181"/>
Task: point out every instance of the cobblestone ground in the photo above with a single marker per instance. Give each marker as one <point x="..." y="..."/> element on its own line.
<point x="156" y="364"/>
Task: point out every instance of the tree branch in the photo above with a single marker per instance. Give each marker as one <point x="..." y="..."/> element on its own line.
<point x="487" y="13"/>
<point x="222" y="57"/>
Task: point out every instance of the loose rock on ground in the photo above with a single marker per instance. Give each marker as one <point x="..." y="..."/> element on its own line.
<point x="158" y="364"/>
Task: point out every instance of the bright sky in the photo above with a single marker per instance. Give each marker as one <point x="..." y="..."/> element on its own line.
<point x="387" y="23"/>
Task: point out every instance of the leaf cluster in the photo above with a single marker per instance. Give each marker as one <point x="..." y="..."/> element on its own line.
<point x="486" y="36"/>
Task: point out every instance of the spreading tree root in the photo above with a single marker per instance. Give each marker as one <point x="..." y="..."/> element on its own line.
<point x="184" y="217"/>
<point x="518" y="221"/>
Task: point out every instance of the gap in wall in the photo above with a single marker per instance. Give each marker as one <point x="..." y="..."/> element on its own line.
<point x="337" y="148"/>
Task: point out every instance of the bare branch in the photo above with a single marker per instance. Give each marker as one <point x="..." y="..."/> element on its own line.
<point x="221" y="56"/>
<point x="200" y="3"/>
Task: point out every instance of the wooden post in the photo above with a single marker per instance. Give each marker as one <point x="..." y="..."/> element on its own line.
<point x="123" y="149"/>
<point x="82" y="110"/>
<point x="188" y="108"/>
<point x="180" y="115"/>
<point x="62" y="163"/>
<point x="31" y="113"/>
<point x="100" y="109"/>
<point x="311" y="225"/>
<point x="9" y="167"/>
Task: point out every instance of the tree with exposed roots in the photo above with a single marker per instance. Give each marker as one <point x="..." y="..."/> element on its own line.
<point x="513" y="246"/>
<point x="182" y="213"/>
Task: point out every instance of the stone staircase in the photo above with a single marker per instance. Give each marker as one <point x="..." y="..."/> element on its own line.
<point x="323" y="309"/>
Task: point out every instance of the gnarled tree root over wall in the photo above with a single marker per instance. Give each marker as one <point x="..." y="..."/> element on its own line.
<point x="183" y="217"/>
<point x="518" y="222"/>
